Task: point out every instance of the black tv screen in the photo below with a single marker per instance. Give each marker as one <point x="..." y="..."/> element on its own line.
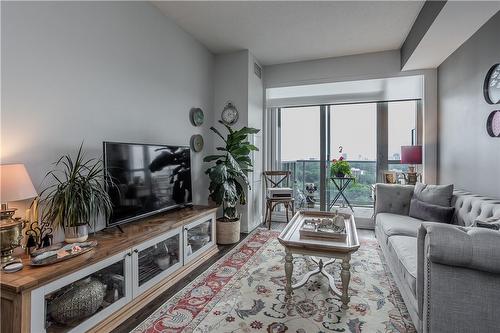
<point x="145" y="179"/>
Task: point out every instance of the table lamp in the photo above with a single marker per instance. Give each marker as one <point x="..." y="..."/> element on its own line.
<point x="411" y="155"/>
<point x="15" y="185"/>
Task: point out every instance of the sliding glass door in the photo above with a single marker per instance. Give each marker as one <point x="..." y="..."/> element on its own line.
<point x="353" y="130"/>
<point x="368" y="135"/>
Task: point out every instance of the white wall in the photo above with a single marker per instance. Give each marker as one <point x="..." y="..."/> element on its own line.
<point x="235" y="81"/>
<point x="368" y="66"/>
<point x="255" y="120"/>
<point x="468" y="156"/>
<point x="95" y="71"/>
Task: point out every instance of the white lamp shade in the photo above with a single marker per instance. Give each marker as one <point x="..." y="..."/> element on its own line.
<point x="15" y="183"/>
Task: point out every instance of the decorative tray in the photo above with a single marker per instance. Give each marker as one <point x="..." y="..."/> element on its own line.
<point x="330" y="228"/>
<point x="60" y="252"/>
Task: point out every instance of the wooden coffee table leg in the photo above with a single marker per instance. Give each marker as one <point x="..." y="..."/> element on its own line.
<point x="345" y="276"/>
<point x="288" y="273"/>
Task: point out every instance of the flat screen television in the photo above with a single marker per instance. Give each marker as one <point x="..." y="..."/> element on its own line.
<point x="146" y="179"/>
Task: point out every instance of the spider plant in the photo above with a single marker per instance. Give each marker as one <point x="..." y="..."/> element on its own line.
<point x="77" y="196"/>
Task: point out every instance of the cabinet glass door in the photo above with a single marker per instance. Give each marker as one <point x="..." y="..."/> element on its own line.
<point x="79" y="301"/>
<point x="156" y="259"/>
<point x="198" y="236"/>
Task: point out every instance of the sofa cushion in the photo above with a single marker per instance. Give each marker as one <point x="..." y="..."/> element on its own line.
<point x="405" y="248"/>
<point x="429" y="212"/>
<point x="394" y="224"/>
<point x="440" y="195"/>
<point x="393" y="198"/>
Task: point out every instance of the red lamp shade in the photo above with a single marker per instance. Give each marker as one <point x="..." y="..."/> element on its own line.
<point x="411" y="154"/>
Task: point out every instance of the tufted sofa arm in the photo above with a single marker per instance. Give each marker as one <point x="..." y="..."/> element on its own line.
<point x="393" y="198"/>
<point x="474" y="248"/>
<point x="458" y="283"/>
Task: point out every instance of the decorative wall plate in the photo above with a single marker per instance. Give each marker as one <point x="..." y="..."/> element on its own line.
<point x="491" y="87"/>
<point x="197" y="143"/>
<point x="229" y="114"/>
<point x="196" y="116"/>
<point x="493" y="124"/>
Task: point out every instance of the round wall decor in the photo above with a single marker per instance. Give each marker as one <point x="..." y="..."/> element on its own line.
<point x="230" y="114"/>
<point x="491" y="87"/>
<point x="196" y="116"/>
<point x="493" y="124"/>
<point x="197" y="143"/>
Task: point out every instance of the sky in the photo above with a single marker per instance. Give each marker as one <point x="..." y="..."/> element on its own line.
<point x="353" y="126"/>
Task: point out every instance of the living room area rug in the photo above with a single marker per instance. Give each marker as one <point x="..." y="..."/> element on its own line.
<point x="244" y="292"/>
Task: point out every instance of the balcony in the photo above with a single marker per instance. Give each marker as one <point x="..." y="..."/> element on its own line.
<point x="359" y="193"/>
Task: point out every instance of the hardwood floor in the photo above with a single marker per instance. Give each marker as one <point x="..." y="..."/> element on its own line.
<point x="145" y="312"/>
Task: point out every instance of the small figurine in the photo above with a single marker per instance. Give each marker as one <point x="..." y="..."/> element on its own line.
<point x="311" y="189"/>
<point x="339" y="221"/>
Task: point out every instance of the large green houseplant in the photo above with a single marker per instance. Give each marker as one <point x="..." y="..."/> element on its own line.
<point x="77" y="196"/>
<point x="228" y="179"/>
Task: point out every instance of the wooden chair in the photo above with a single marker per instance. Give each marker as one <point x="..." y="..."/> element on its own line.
<point x="274" y="179"/>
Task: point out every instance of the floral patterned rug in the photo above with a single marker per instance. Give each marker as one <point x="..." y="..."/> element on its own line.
<point x="244" y="292"/>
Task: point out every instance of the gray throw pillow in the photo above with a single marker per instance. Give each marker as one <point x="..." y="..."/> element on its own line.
<point x="429" y="212"/>
<point x="434" y="194"/>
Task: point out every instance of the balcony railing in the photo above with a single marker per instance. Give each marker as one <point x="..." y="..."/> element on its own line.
<point x="359" y="193"/>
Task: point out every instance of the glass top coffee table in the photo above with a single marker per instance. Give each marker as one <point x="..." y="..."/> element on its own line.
<point x="319" y="247"/>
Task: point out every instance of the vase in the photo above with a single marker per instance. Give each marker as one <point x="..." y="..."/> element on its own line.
<point x="76" y="234"/>
<point x="340" y="175"/>
<point x="81" y="300"/>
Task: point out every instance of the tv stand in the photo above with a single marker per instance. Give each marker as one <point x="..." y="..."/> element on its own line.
<point x="118" y="256"/>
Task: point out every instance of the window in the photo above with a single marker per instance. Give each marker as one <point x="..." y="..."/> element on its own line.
<point x="401" y="131"/>
<point x="370" y="134"/>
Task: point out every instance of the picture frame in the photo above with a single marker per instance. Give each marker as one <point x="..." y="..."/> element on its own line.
<point x="390" y="177"/>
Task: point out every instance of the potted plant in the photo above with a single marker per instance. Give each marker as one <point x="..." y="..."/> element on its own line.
<point x="228" y="180"/>
<point x="340" y="168"/>
<point x="77" y="197"/>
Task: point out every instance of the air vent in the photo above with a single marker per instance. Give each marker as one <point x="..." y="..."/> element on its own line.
<point x="257" y="70"/>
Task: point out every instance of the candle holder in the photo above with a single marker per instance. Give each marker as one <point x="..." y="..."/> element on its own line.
<point x="39" y="235"/>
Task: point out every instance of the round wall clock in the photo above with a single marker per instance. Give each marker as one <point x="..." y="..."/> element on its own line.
<point x="493" y="124"/>
<point x="229" y="114"/>
<point x="197" y="143"/>
<point x="196" y="116"/>
<point x="491" y="87"/>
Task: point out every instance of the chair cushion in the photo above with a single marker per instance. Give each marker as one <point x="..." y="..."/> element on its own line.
<point x="405" y="249"/>
<point x="434" y="194"/>
<point x="429" y="212"/>
<point x="394" y="224"/>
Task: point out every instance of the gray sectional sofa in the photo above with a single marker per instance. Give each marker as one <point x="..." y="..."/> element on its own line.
<point x="448" y="274"/>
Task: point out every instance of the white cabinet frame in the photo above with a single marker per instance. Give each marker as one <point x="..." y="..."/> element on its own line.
<point x="208" y="218"/>
<point x="38" y="295"/>
<point x="137" y="290"/>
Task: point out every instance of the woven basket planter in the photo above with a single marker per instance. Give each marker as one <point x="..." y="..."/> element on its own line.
<point x="228" y="232"/>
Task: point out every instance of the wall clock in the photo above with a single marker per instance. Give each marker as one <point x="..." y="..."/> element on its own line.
<point x="229" y="114"/>
<point x="196" y="116"/>
<point x="197" y="143"/>
<point x="493" y="124"/>
<point x="491" y="87"/>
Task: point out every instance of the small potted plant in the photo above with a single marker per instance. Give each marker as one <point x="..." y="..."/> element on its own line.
<point x="340" y="167"/>
<point x="228" y="180"/>
<point x="77" y="196"/>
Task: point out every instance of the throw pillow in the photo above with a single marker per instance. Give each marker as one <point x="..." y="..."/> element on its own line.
<point x="491" y="223"/>
<point x="429" y="212"/>
<point x="440" y="195"/>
